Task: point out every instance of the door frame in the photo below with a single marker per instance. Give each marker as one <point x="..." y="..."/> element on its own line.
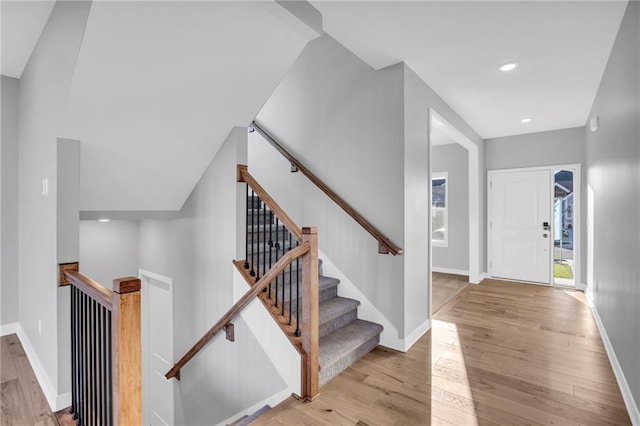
<point x="475" y="188"/>
<point x="145" y="277"/>
<point x="577" y="216"/>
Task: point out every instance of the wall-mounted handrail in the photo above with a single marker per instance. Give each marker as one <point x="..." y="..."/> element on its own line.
<point x="245" y="176"/>
<point x="385" y="245"/>
<point x="266" y="279"/>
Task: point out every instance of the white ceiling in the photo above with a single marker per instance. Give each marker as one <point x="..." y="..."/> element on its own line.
<point x="456" y="47"/>
<point x="157" y="88"/>
<point x="22" y="24"/>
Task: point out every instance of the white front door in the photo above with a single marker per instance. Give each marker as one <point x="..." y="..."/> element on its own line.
<point x="520" y="225"/>
<point x="157" y="303"/>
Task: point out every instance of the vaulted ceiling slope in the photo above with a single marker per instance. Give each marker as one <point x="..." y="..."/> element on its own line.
<point x="157" y="88"/>
<point x="22" y="24"/>
<point x="457" y="46"/>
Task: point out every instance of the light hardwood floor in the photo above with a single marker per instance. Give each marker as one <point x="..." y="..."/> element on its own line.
<point x="498" y="353"/>
<point x="444" y="287"/>
<point x="22" y="400"/>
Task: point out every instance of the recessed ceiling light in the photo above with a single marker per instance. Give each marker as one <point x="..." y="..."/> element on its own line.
<point x="104" y="220"/>
<point x="526" y="120"/>
<point x="509" y="66"/>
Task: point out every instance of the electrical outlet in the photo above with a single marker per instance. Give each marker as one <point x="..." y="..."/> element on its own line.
<point x="40" y="327"/>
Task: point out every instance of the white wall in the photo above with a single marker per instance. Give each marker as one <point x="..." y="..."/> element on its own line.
<point x="9" y="201"/>
<point x="43" y="90"/>
<point x="565" y="146"/>
<point x="613" y="172"/>
<point x="109" y="250"/>
<point x="196" y="250"/>
<point x="556" y="147"/>
<point x="419" y="99"/>
<point x="344" y="121"/>
<point x="453" y="159"/>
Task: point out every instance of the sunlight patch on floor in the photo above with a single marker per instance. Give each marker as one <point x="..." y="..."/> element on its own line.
<point x="450" y="387"/>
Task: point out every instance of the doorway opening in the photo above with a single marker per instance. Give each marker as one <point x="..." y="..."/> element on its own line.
<point x="563" y="227"/>
<point x="454" y="219"/>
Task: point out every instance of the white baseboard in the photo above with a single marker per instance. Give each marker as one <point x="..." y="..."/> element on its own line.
<point x="56" y="401"/>
<point x="416" y="334"/>
<point x="11" y="328"/>
<point x="629" y="402"/>
<point x="272" y="401"/>
<point x="483" y="276"/>
<point x="449" y="271"/>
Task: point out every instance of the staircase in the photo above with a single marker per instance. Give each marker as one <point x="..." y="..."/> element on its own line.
<point x="343" y="337"/>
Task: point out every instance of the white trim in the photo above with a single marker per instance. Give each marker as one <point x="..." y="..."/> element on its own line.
<point x="629" y="402"/>
<point x="475" y="182"/>
<point x="449" y="271"/>
<point x="11" y="328"/>
<point x="272" y="401"/>
<point x="145" y="276"/>
<point x="483" y="276"/>
<point x="416" y="334"/>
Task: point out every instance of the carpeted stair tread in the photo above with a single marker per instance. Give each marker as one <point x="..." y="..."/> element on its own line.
<point x="336" y="306"/>
<point x="345" y="340"/>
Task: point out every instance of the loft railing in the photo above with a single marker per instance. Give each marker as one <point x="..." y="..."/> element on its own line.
<point x="385" y="245"/>
<point x="281" y="267"/>
<point x="106" y="366"/>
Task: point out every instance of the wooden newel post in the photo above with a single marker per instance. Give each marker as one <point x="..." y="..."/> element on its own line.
<point x="126" y="352"/>
<point x="310" y="318"/>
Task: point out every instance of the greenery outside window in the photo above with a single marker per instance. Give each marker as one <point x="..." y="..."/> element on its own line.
<point x="439" y="210"/>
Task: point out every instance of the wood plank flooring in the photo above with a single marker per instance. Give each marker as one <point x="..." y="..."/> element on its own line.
<point x="21" y="400"/>
<point x="498" y="353"/>
<point x="444" y="287"/>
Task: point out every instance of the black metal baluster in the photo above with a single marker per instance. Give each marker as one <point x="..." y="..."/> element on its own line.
<point x="72" y="410"/>
<point x="109" y="372"/>
<point x="277" y="258"/>
<point x="246" y="234"/>
<point x="298" y="295"/>
<point x="92" y="363"/>
<point x="100" y="407"/>
<point x="85" y="309"/>
<point x="284" y="250"/>
<point x="252" y="272"/>
<point x="265" y="242"/>
<point x="290" y="280"/>
<point x="258" y="239"/>
<point x="103" y="366"/>
<point x="270" y="243"/>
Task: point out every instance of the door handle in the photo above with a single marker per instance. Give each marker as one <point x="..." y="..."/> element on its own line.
<point x="545" y="235"/>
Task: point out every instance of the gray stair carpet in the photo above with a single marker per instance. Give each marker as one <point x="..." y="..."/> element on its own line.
<point x="343" y="337"/>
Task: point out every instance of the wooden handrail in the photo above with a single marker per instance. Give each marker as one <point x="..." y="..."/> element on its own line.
<point x="245" y="176"/>
<point x="266" y="279"/>
<point x="385" y="245"/>
<point x="95" y="290"/>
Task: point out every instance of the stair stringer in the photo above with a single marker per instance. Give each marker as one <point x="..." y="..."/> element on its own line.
<point x="368" y="311"/>
<point x="284" y="357"/>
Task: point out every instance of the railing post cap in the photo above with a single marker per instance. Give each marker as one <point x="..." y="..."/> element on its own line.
<point x="126" y="285"/>
<point x="310" y="230"/>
